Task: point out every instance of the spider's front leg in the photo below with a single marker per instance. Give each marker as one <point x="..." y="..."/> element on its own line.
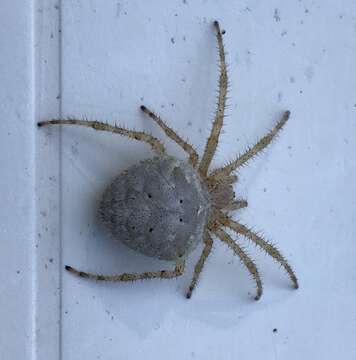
<point x="241" y="160"/>
<point x="212" y="142"/>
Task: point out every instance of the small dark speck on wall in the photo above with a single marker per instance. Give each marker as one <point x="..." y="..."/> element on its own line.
<point x="276" y="15"/>
<point x="275" y="330"/>
<point x="118" y="9"/>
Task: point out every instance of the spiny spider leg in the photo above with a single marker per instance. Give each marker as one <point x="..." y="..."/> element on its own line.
<point x="193" y="155"/>
<point x="164" y="274"/>
<point x="231" y="179"/>
<point x="258" y="240"/>
<point x="200" y="264"/>
<point x="212" y="142"/>
<point x="223" y="236"/>
<point x="251" y="152"/>
<point x="236" y="205"/>
<point x="156" y="145"/>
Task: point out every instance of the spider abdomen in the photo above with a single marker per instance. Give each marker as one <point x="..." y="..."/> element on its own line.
<point x="158" y="207"/>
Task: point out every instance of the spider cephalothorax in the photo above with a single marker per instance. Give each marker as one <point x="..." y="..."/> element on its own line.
<point x="164" y="207"/>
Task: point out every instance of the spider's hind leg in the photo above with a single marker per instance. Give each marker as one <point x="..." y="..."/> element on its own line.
<point x="156" y="145"/>
<point x="164" y="274"/>
<point x="213" y="139"/>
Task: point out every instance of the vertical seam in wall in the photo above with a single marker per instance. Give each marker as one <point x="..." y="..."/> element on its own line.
<point x="46" y="323"/>
<point x="33" y="310"/>
<point x="60" y="110"/>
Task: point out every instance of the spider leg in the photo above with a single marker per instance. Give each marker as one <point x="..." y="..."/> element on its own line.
<point x="164" y="274"/>
<point x="230" y="179"/>
<point x="156" y="145"/>
<point x="248" y="262"/>
<point x="200" y="264"/>
<point x="265" y="245"/>
<point x="212" y="142"/>
<point x="251" y="152"/>
<point x="193" y="155"/>
<point x="236" y="205"/>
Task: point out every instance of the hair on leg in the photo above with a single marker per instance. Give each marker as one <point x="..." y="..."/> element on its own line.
<point x="193" y="155"/>
<point x="265" y="245"/>
<point x="251" y="152"/>
<point x="164" y="274"/>
<point x="213" y="139"/>
<point x="236" y="205"/>
<point x="250" y="265"/>
<point x="200" y="264"/>
<point x="156" y="145"/>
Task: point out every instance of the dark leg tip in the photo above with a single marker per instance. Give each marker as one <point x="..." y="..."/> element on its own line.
<point x="216" y="23"/>
<point x="287" y="114"/>
<point x="189" y="293"/>
<point x="143" y="108"/>
<point x="68" y="268"/>
<point x="258" y="295"/>
<point x="39" y="124"/>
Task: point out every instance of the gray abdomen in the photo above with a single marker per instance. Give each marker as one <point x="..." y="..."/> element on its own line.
<point x="158" y="207"/>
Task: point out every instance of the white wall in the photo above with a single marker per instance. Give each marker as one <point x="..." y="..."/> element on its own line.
<point x="102" y="60"/>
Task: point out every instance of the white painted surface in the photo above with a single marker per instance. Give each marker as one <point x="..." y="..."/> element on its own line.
<point x="16" y="179"/>
<point x="109" y="58"/>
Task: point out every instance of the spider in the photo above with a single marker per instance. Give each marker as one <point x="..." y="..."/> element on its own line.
<point x="164" y="207"/>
